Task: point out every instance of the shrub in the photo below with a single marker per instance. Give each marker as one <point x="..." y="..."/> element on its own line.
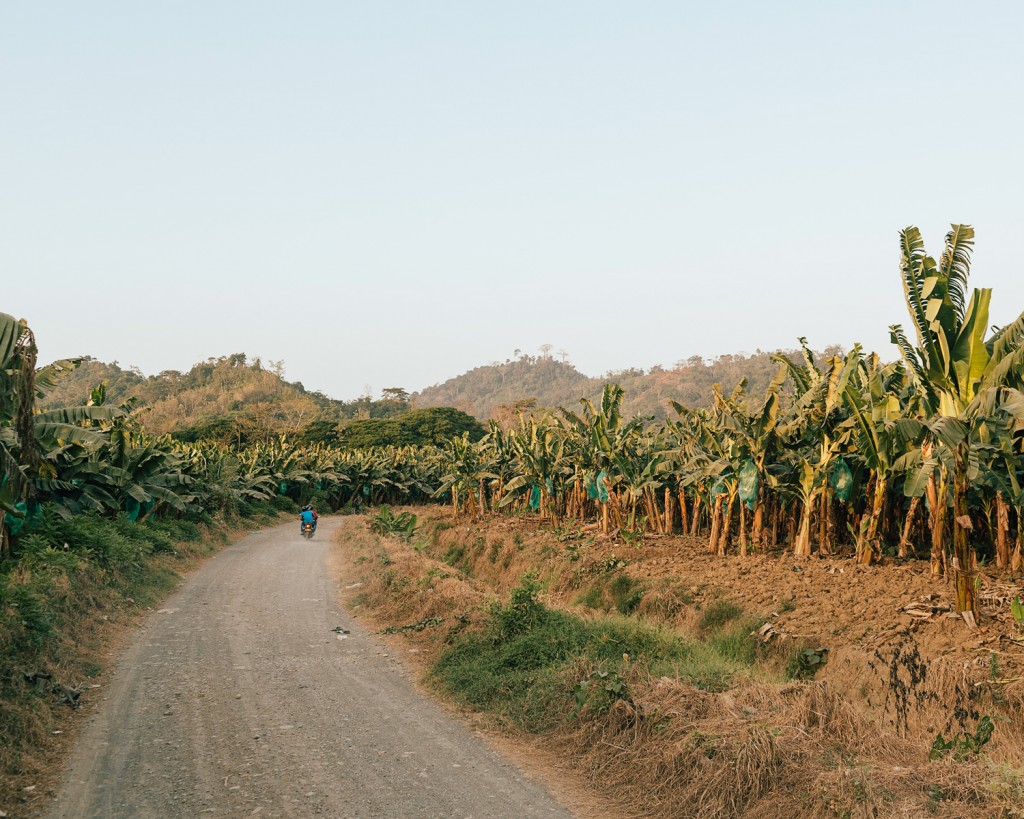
<point x="805" y="661"/>
<point x="385" y="522"/>
<point x="523" y="611"/>
<point x="282" y="503"/>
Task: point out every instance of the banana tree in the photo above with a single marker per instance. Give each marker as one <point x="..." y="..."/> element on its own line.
<point x="219" y="481"/>
<point x="964" y="381"/>
<point x="32" y="444"/>
<point x="711" y="463"/>
<point x="542" y="468"/>
<point x="638" y="465"/>
<point x="1004" y="474"/>
<point x="467" y="468"/>
<point x="813" y="430"/>
<point x="605" y="432"/>
<point x="881" y="436"/>
<point x="500" y="450"/>
<point x="756" y="436"/>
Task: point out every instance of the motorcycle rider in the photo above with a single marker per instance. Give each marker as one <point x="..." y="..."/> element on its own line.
<point x="307" y="515"/>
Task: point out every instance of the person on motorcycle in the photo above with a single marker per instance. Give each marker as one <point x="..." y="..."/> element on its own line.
<point x="307" y="515"/>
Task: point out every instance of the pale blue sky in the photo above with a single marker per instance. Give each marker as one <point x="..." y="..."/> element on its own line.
<point x="390" y="193"/>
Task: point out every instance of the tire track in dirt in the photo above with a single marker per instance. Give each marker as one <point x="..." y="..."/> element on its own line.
<point x="237" y="699"/>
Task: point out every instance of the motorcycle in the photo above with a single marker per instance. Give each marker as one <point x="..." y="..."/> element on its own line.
<point x="307" y="531"/>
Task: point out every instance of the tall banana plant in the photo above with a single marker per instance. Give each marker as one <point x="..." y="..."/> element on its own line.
<point x="32" y="443"/>
<point x="17" y="401"/>
<point x="712" y="458"/>
<point x="604" y="434"/>
<point x="637" y="464"/>
<point x="964" y="381"/>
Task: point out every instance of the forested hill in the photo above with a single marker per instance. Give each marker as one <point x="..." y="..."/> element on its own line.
<point x="485" y="391"/>
<point x="253" y="400"/>
<point x="228" y="398"/>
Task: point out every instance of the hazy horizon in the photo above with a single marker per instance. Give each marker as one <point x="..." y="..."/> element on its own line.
<point x="394" y="194"/>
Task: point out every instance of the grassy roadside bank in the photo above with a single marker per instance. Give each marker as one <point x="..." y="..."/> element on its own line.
<point x="76" y="588"/>
<point x="674" y="715"/>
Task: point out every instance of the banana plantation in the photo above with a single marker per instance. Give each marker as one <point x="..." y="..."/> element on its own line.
<point x="917" y="457"/>
<point x="920" y="457"/>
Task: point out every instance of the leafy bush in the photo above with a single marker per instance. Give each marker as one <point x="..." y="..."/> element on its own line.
<point x="623" y="594"/>
<point x="432" y="426"/>
<point x="964" y="744"/>
<point x="626" y="593"/>
<point x="385" y="522"/>
<point x="599" y="692"/>
<point x="805" y="662"/>
<point x="454" y="555"/>
<point x="523" y="611"/>
<point x="25" y="618"/>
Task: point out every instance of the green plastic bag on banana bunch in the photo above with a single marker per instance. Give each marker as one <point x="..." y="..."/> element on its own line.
<point x="750" y="482"/>
<point x="841" y="480"/>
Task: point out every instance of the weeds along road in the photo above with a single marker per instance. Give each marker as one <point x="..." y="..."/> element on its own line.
<point x="238" y="699"/>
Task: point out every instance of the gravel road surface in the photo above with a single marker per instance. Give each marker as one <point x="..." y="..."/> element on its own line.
<point x="236" y="698"/>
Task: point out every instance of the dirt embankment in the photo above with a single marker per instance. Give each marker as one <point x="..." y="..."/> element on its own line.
<point x="853" y="740"/>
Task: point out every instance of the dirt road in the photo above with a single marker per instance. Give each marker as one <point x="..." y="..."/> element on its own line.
<point x="238" y="699"/>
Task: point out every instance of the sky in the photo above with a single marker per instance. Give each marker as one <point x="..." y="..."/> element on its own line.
<point x="390" y="193"/>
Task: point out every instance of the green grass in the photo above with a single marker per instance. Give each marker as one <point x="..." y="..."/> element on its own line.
<point x="592" y="598"/>
<point x="437" y="528"/>
<point x="626" y="593"/>
<point x="622" y="593"/>
<point x="734" y="641"/>
<point x="718" y="613"/>
<point x="495" y="548"/>
<point x="519" y="666"/>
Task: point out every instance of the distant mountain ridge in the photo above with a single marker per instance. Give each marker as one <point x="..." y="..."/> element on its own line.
<point x="233" y="398"/>
<point x="484" y="391"/>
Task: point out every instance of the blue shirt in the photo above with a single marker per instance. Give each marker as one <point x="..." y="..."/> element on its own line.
<point x="307" y="516"/>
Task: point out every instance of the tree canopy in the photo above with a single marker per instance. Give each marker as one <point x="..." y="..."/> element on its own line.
<point x="433" y="426"/>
